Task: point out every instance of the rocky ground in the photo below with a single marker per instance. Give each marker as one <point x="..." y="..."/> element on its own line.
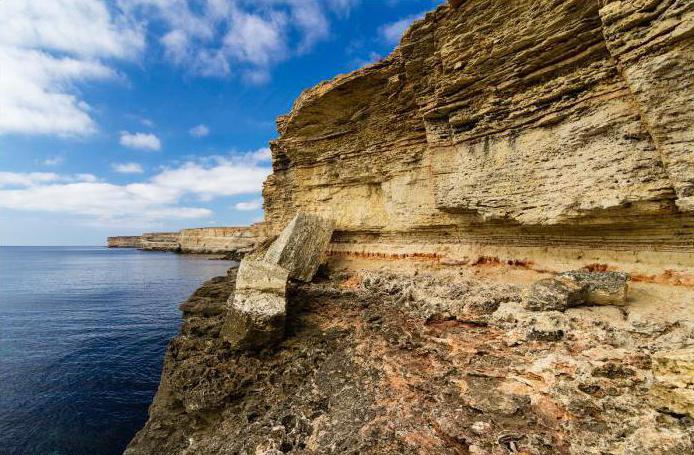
<point x="379" y="363"/>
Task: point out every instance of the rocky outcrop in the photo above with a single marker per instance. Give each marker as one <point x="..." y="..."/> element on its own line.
<point x="236" y="241"/>
<point x="383" y="363"/>
<point x="130" y="241"/>
<point x="554" y="131"/>
<point x="160" y="241"/>
<point x="221" y="239"/>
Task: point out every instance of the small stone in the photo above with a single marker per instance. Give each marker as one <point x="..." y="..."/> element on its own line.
<point x="554" y="294"/>
<point x="602" y="288"/>
<point x="300" y="247"/>
<point x="481" y="428"/>
<point x="256" y="312"/>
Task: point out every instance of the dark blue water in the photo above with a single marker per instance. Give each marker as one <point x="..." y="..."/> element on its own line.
<point x="82" y="338"/>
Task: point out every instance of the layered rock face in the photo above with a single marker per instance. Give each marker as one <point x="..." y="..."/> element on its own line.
<point x="512" y="129"/>
<point x="236" y="240"/>
<point x="129" y="241"/>
<point x="160" y="241"/>
<point x="221" y="239"/>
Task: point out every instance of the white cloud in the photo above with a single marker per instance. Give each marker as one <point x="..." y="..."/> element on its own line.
<point x="242" y="37"/>
<point x="127" y="168"/>
<point x="46" y="49"/>
<point x="24" y="179"/>
<point x="392" y="33"/>
<point x="142" y="141"/>
<point x="255" y="204"/>
<point x="53" y="161"/>
<point x="199" y="131"/>
<point x="160" y="197"/>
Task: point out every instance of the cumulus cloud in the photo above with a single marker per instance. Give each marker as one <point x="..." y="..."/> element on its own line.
<point x="141" y="141"/>
<point x="391" y="33"/>
<point x="199" y="131"/>
<point x="127" y="168"/>
<point x="46" y="49"/>
<point x="255" y="204"/>
<point x="242" y="37"/>
<point x="157" y="198"/>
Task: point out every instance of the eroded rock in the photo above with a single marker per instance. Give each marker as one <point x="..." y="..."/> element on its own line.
<point x="257" y="310"/>
<point x="673" y="390"/>
<point x="555" y="294"/>
<point x="576" y="288"/>
<point x="301" y="245"/>
<point x="601" y="288"/>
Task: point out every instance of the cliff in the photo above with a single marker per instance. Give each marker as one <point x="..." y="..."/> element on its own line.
<point x="500" y="146"/>
<point x="220" y="240"/>
<point x="519" y="130"/>
<point x="131" y="241"/>
<point x="234" y="240"/>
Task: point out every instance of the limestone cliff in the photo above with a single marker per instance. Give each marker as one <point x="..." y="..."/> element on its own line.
<point x="236" y="240"/>
<point x="221" y="239"/>
<point x="125" y="241"/>
<point x="522" y="130"/>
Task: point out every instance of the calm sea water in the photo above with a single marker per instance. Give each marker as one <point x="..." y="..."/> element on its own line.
<point x="82" y="338"/>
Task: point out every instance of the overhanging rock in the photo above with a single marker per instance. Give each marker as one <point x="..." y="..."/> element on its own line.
<point x="301" y="245"/>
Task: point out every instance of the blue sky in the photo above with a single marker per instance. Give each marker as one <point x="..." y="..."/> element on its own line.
<point x="124" y="116"/>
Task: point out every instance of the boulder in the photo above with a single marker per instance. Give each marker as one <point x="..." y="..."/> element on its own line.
<point x="602" y="288"/>
<point x="300" y="247"/>
<point x="570" y="289"/>
<point x="673" y="388"/>
<point x="257" y="309"/>
<point x="554" y="294"/>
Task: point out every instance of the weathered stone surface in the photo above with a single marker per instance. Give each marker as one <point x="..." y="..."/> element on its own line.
<point x="301" y="246"/>
<point x="221" y="239"/>
<point x="256" y="312"/>
<point x="651" y="441"/>
<point x="234" y="240"/>
<point x="558" y="126"/>
<point x="555" y="294"/>
<point x="570" y="289"/>
<point x="126" y="241"/>
<point x="602" y="288"/>
<point x="388" y="364"/>
<point x="673" y="389"/>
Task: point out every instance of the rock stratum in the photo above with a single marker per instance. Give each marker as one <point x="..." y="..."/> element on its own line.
<point x="512" y="265"/>
<point x="506" y="129"/>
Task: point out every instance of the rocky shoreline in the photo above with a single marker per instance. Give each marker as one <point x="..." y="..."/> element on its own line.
<point x="383" y="363"/>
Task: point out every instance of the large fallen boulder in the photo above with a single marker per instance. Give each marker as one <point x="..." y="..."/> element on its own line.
<point x="576" y="288"/>
<point x="301" y="245"/>
<point x="602" y="288"/>
<point x="256" y="312"/>
<point x="673" y="388"/>
<point x="257" y="309"/>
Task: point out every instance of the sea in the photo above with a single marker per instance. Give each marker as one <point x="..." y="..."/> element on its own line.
<point x="83" y="331"/>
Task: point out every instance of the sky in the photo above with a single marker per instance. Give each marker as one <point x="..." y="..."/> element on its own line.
<point x="119" y="117"/>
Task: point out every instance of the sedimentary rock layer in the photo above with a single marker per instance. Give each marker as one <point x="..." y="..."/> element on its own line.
<point x="200" y="240"/>
<point x="124" y="241"/>
<point x="220" y="239"/>
<point x="519" y="129"/>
